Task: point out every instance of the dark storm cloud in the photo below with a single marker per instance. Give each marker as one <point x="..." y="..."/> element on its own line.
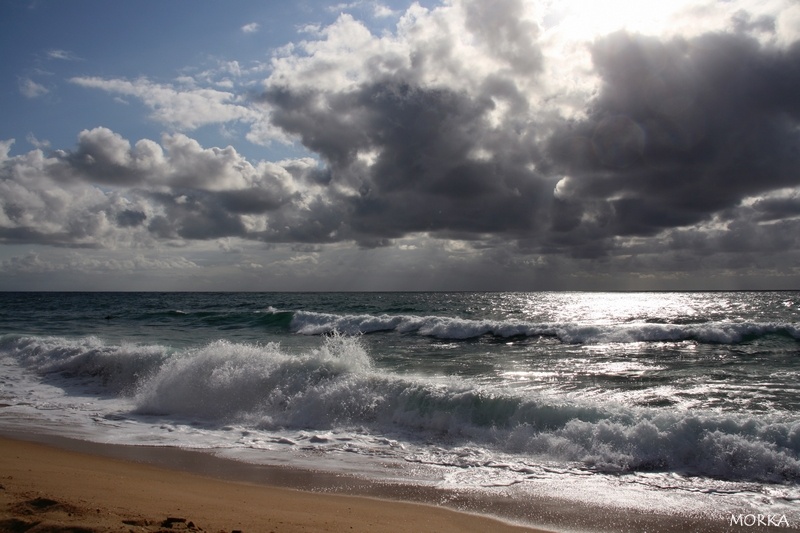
<point x="681" y="129"/>
<point x="194" y="214"/>
<point x="252" y="200"/>
<point x="23" y="235"/>
<point x="104" y="157"/>
<point x="328" y="124"/>
<point x="428" y="175"/>
<point x="130" y="218"/>
<point x="777" y="208"/>
<point x="679" y="133"/>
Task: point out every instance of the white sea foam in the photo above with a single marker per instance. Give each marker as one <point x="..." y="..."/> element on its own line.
<point x="727" y="332"/>
<point x="336" y="388"/>
<point x="257" y="383"/>
<point x="119" y="367"/>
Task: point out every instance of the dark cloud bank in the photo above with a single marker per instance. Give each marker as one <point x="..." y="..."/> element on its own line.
<point x="681" y="132"/>
<point x="690" y="150"/>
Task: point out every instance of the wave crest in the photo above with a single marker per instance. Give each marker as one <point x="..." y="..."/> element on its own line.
<point x="336" y="386"/>
<point x="118" y="367"/>
<point x="312" y="323"/>
<point x="225" y="380"/>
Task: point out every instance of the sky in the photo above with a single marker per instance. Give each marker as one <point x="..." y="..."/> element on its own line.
<point x="395" y="145"/>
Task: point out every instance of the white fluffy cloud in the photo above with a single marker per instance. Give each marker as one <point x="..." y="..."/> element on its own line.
<point x="109" y="193"/>
<point x="181" y="108"/>
<point x="251" y="27"/>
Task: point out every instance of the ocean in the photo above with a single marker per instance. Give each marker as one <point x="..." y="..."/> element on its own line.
<point x="679" y="403"/>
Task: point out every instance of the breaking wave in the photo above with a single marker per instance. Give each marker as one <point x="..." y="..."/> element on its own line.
<point x="312" y="323"/>
<point x="336" y="387"/>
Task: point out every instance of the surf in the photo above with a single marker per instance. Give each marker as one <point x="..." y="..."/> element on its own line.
<point x="454" y="328"/>
<point x="337" y="387"/>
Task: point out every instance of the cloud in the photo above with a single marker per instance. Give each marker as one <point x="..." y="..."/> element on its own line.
<point x="251" y="27"/>
<point x="62" y="55"/>
<point x="34" y="263"/>
<point x="504" y="30"/>
<point x="382" y="11"/>
<point x="31" y="138"/>
<point x="422" y="132"/>
<point x="187" y="109"/>
<point x="110" y="193"/>
<point x="460" y="127"/>
<point x="194" y="102"/>
<point x="5" y="148"/>
<point x="788" y="24"/>
<point x="681" y="130"/>
<point x="30" y="89"/>
<point x="454" y="128"/>
<point x="39" y="206"/>
<point x="110" y="270"/>
<point x="421" y="172"/>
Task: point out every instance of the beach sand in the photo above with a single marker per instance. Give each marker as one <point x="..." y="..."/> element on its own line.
<point x="46" y="488"/>
<point x="60" y="485"/>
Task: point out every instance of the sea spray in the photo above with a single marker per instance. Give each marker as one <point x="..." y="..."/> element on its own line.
<point x="120" y="368"/>
<point x="721" y="447"/>
<point x="224" y="380"/>
<point x="337" y="387"/>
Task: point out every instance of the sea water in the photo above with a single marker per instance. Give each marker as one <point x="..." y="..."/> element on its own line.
<point x="676" y="403"/>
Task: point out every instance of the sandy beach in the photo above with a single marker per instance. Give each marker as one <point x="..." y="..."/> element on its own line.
<point x="50" y="484"/>
<point x="45" y="488"/>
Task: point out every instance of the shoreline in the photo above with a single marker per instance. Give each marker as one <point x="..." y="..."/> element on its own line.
<point x="46" y="485"/>
<point x="219" y="494"/>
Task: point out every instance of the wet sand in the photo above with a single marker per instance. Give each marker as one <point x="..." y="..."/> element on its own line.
<point x="55" y="484"/>
<point x="46" y="488"/>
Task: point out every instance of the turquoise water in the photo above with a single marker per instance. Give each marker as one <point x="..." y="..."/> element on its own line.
<point x="693" y="391"/>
